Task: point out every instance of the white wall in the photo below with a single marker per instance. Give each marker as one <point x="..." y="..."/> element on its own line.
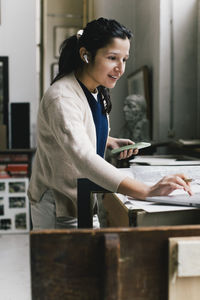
<point x="124" y="12"/>
<point x="18" y="42"/>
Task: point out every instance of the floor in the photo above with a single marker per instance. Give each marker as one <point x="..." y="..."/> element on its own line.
<point x="15" y="283"/>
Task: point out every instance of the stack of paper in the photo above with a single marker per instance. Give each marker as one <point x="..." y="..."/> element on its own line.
<point x="159" y="161"/>
<point x="152" y="174"/>
<point x="177" y="200"/>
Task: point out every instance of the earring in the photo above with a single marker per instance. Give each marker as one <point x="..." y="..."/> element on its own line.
<point x="86" y="58"/>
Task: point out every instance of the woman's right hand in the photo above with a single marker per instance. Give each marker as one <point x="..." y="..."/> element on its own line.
<point x="168" y="184"/>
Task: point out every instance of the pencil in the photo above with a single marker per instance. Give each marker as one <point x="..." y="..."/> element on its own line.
<point x="188" y="179"/>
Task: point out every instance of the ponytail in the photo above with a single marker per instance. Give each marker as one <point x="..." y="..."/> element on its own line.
<point x="69" y="58"/>
<point x="107" y="104"/>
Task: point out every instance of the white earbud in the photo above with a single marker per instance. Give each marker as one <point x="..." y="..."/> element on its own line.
<point x="86" y="58"/>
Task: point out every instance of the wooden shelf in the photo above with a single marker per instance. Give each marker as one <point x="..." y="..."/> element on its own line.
<point x="11" y="159"/>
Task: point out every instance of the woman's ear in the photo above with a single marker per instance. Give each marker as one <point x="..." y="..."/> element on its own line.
<point x="86" y="58"/>
<point x="84" y="55"/>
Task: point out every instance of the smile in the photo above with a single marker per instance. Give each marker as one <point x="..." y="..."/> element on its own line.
<point x="114" y="77"/>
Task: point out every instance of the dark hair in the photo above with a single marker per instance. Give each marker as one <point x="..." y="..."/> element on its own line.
<point x="97" y="34"/>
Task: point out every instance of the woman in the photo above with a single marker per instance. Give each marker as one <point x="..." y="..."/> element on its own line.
<point x="73" y="128"/>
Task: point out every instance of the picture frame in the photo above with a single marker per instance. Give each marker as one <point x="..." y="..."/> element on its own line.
<point x="60" y="34"/>
<point x="138" y="83"/>
<point x="4" y="94"/>
<point x="14" y="206"/>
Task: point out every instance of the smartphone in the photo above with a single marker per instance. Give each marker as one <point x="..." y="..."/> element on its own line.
<point x="133" y="146"/>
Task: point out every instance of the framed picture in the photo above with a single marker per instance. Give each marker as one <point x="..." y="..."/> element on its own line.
<point x="60" y="34"/>
<point x="137" y="107"/>
<point x="138" y="84"/>
<point x="4" y="91"/>
<point x="14" y="206"/>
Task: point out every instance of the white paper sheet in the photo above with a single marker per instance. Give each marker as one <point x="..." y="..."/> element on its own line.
<point x="156" y="161"/>
<point x="155" y="173"/>
<point x="150" y="175"/>
<point x="147" y="206"/>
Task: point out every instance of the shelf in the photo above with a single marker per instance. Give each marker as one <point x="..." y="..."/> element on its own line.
<point x="18" y="157"/>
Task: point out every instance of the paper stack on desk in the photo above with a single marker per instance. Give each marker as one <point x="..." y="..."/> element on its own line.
<point x="155" y="173"/>
<point x="176" y="200"/>
<point x="149" y="206"/>
<point x="164" y="161"/>
<point x="180" y="197"/>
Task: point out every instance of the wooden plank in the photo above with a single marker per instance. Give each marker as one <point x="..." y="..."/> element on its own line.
<point x="65" y="266"/>
<point x="110" y="279"/>
<point x="117" y="213"/>
<point x="69" y="264"/>
<point x="181" y="286"/>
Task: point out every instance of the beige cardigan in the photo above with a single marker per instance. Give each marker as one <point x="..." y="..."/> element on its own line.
<point x="66" y="148"/>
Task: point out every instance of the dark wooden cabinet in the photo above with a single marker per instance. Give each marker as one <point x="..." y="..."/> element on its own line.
<point x="109" y="264"/>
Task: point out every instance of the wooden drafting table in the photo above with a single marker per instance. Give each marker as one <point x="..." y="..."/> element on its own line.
<point x="121" y="211"/>
<point x="120" y="214"/>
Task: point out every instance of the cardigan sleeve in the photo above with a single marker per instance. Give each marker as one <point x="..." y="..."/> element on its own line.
<point x="66" y="120"/>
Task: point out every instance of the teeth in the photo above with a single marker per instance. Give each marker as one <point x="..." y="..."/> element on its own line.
<point x="113" y="77"/>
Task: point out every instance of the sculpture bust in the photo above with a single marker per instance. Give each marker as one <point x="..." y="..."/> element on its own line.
<point x="136" y="123"/>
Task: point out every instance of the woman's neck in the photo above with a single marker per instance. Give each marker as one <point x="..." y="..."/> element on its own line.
<point x="81" y="76"/>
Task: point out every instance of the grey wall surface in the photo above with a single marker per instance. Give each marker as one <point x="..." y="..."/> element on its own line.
<point x="147" y="39"/>
<point x="171" y="55"/>
<point x="177" y="99"/>
<point x="185" y="68"/>
<point x="166" y="40"/>
<point x="124" y="12"/>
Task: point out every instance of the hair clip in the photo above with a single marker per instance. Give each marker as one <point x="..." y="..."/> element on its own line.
<point x="79" y="33"/>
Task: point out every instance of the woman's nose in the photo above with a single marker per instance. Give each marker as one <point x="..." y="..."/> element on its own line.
<point x="120" y="67"/>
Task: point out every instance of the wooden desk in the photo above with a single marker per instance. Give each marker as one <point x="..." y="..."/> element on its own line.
<point x="118" y="215"/>
<point x="176" y="148"/>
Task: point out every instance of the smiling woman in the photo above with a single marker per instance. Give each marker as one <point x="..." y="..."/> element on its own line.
<point x="108" y="67"/>
<point x="73" y="128"/>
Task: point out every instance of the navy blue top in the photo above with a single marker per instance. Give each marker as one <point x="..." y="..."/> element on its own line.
<point x="100" y="119"/>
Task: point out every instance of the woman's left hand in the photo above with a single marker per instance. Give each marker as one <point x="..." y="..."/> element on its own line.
<point x="114" y="143"/>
